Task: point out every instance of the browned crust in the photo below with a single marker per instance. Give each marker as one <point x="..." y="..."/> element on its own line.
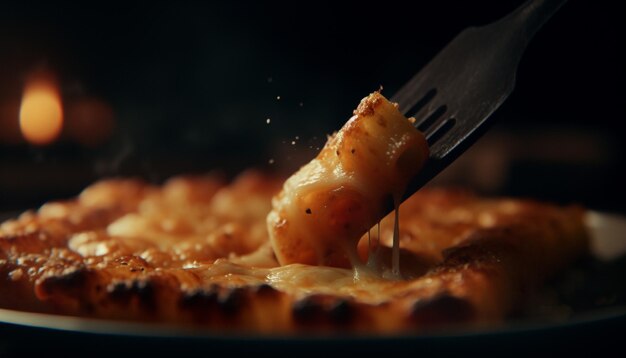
<point x="367" y="106"/>
<point x="483" y="257"/>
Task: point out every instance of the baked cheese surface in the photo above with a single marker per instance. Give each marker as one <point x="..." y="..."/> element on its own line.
<point x="195" y="251"/>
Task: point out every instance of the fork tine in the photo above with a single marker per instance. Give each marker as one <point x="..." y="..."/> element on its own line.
<point x="414" y="94"/>
<point x="438" y="132"/>
<point x="431" y="117"/>
<point x="422" y="103"/>
<point x="455" y="94"/>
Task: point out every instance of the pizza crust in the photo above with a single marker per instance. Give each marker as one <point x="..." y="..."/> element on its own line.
<point x="184" y="254"/>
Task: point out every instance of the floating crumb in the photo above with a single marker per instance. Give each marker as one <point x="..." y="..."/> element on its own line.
<point x="293" y="142"/>
<point x="278" y="98"/>
<point x="301" y="104"/>
<point x="297" y="137"/>
<point x="268" y="121"/>
<point x="412" y="120"/>
<point x="271" y="161"/>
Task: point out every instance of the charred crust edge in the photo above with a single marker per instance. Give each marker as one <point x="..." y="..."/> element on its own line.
<point x="143" y="289"/>
<point x="441" y="309"/>
<point x="320" y="308"/>
<point x="231" y="300"/>
<point x="199" y="298"/>
<point x="68" y="280"/>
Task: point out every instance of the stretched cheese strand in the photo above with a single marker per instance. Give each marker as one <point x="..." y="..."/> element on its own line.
<point x="395" y="259"/>
<point x="326" y="207"/>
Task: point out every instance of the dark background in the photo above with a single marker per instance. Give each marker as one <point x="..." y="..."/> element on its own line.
<point x="192" y="85"/>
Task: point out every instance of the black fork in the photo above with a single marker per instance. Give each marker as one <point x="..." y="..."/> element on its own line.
<point x="454" y="95"/>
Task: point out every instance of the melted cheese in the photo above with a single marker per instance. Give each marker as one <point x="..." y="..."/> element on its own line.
<point x="299" y="281"/>
<point x="325" y="208"/>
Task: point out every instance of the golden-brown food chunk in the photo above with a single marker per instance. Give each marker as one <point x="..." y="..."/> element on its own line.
<point x="325" y="207"/>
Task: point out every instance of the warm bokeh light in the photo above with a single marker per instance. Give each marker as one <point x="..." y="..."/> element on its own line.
<point x="41" y="112"/>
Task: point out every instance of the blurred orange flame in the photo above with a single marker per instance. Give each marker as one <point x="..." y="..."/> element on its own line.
<point x="41" y="112"/>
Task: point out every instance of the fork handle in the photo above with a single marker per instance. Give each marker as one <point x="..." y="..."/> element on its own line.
<point x="530" y="17"/>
